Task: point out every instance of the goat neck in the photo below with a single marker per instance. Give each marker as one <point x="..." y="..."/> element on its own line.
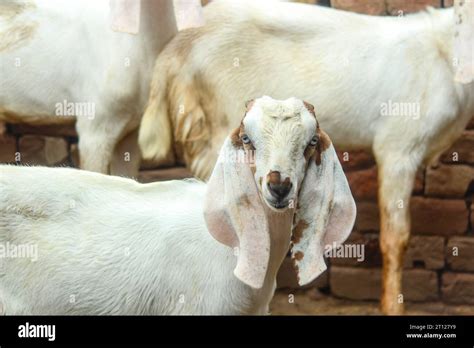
<point x="280" y="225"/>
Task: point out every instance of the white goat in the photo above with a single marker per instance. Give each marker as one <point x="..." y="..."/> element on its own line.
<point x="62" y="58"/>
<point x="354" y="67"/>
<point x="108" y="245"/>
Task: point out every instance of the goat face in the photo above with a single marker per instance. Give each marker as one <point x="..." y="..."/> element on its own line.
<point x="281" y="137"/>
<point x="291" y="159"/>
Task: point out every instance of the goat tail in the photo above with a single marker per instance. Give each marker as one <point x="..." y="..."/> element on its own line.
<point x="176" y="126"/>
<point x="155" y="136"/>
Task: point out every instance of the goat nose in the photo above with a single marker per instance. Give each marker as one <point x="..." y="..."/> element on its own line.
<point x="277" y="188"/>
<point x="279" y="191"/>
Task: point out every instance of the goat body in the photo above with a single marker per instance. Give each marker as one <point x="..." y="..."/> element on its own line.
<point x="56" y="53"/>
<point x="348" y="65"/>
<point x="108" y="245"/>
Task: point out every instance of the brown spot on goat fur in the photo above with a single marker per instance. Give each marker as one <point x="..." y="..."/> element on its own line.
<point x="323" y="144"/>
<point x="309" y="107"/>
<point x="235" y="138"/>
<point x="296" y="268"/>
<point x="324" y="140"/>
<point x="317" y="157"/>
<point x="238" y="132"/>
<point x="298" y="230"/>
<point x="244" y="201"/>
<point x="299" y="255"/>
<point x="249" y="104"/>
<point x="309" y="152"/>
<point x="274" y="178"/>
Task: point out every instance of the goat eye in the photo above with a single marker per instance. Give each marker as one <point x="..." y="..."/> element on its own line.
<point x="313" y="141"/>
<point x="245" y="139"/>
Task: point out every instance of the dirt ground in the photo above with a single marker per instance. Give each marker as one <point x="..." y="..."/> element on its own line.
<point x="313" y="302"/>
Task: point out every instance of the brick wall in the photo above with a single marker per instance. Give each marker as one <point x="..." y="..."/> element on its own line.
<point x="439" y="264"/>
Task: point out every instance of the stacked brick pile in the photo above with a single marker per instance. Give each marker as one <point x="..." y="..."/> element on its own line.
<point x="440" y="258"/>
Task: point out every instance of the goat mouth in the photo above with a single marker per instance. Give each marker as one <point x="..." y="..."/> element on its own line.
<point x="279" y="204"/>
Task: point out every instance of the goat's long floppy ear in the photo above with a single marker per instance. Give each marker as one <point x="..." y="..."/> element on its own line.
<point x="125" y="16"/>
<point x="464" y="40"/>
<point x="188" y="14"/>
<point x="235" y="215"/>
<point x="325" y="213"/>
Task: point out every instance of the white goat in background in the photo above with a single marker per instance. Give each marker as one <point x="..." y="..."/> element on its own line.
<point x="62" y="58"/>
<point x="120" y="247"/>
<point x="350" y="65"/>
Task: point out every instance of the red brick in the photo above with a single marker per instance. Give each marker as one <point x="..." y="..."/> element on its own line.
<point x="356" y="160"/>
<point x="163" y="174"/>
<point x="462" y="150"/>
<point x="470" y="125"/>
<point x="425" y="251"/>
<point x="367" y="218"/>
<point x="419" y="184"/>
<point x="448" y="180"/>
<point x="364" y="186"/>
<point x="373" y="7"/>
<point x="355" y="283"/>
<point x="472" y="216"/>
<point x="438" y="216"/>
<point x="428" y="216"/>
<point x="401" y="7"/>
<point x="460" y="253"/>
<point x="67" y="130"/>
<point x="372" y="256"/>
<point x="7" y="148"/>
<point x="38" y="150"/>
<point x="420" y="285"/>
<point x="363" y="183"/>
<point x="286" y="277"/>
<point x="365" y="284"/>
<point x="3" y="128"/>
<point x="458" y="288"/>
